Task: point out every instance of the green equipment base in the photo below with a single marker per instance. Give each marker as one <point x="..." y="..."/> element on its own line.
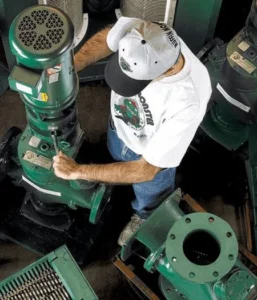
<point x="21" y="230"/>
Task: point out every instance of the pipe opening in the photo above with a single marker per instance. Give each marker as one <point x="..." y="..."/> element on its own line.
<point x="201" y="248"/>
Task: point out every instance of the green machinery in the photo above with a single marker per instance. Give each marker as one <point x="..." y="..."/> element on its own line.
<point x="55" y="276"/>
<point x="231" y="119"/>
<point x="195" y="254"/>
<point x="41" y="39"/>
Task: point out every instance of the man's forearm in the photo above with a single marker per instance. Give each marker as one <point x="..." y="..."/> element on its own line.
<point x="118" y="173"/>
<point x="93" y="50"/>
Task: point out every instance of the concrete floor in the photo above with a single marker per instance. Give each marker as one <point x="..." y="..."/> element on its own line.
<point x="93" y="107"/>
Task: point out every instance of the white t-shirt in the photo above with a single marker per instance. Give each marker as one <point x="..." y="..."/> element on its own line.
<point x="161" y="121"/>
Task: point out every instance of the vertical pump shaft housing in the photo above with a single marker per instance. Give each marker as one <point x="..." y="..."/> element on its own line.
<point x="41" y="38"/>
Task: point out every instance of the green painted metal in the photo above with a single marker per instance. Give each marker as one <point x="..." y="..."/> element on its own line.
<point x="168" y="290"/>
<point x="203" y="14"/>
<point x="197" y="226"/>
<point x="220" y="122"/>
<point x="231" y="286"/>
<point x="251" y="169"/>
<point x="195" y="254"/>
<point x="9" y="9"/>
<point x="32" y="281"/>
<point x="52" y="42"/>
<point x="41" y="39"/>
<point x="231" y="120"/>
<point x="27" y="78"/>
<point x="231" y="135"/>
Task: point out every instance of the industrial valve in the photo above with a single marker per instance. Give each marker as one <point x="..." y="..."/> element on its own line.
<point x="196" y="254"/>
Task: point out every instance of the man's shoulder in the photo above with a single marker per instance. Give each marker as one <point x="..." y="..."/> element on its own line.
<point x="183" y="103"/>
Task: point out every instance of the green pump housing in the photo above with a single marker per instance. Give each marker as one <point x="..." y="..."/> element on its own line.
<point x="232" y="116"/>
<point x="41" y="38"/>
<point x="195" y="255"/>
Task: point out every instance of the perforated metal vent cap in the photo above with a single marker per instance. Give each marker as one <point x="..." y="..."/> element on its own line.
<point x="42" y="29"/>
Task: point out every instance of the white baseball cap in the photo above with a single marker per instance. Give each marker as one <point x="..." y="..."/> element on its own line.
<point x="143" y="51"/>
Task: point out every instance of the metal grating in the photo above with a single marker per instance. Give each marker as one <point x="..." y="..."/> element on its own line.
<point x="51" y="28"/>
<point x="56" y="276"/>
<point x="73" y="8"/>
<point x="55" y="35"/>
<point x="54" y="21"/>
<point x="40" y="16"/>
<point x="42" y="43"/>
<point x="40" y="282"/>
<point x="151" y="10"/>
<point x="27" y="24"/>
<point x="28" y="37"/>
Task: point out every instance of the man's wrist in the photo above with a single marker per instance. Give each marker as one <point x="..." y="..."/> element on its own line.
<point x="80" y="172"/>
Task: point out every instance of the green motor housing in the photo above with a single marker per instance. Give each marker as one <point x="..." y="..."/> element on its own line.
<point x="41" y="38"/>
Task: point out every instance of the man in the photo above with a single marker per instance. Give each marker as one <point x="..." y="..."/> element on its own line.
<point x="160" y="91"/>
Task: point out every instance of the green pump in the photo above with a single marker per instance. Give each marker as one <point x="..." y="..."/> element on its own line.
<point x="41" y="39"/>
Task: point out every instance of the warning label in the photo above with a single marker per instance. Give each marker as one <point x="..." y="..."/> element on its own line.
<point x="42" y="97"/>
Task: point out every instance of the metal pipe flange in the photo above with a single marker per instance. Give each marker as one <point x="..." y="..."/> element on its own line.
<point x="201" y="247"/>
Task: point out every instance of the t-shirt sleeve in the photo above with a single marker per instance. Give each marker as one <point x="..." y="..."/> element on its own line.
<point x="119" y="30"/>
<point x="169" y="144"/>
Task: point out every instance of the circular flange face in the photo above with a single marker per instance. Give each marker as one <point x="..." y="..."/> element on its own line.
<point x="201" y="247"/>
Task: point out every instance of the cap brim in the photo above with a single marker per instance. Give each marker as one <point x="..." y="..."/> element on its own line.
<point x="119" y="82"/>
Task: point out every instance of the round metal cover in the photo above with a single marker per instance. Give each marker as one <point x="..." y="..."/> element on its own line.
<point x="201" y="247"/>
<point x="41" y="31"/>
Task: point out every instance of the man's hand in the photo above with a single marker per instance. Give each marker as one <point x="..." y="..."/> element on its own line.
<point x="65" y="167"/>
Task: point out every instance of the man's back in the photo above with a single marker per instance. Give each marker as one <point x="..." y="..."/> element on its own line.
<point x="160" y="122"/>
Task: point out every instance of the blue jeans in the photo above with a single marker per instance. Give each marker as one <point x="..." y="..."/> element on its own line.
<point x="150" y="194"/>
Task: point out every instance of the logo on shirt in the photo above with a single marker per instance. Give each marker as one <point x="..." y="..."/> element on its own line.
<point x="129" y="113"/>
<point x="148" y="114"/>
<point x="133" y="114"/>
<point x="125" y="65"/>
